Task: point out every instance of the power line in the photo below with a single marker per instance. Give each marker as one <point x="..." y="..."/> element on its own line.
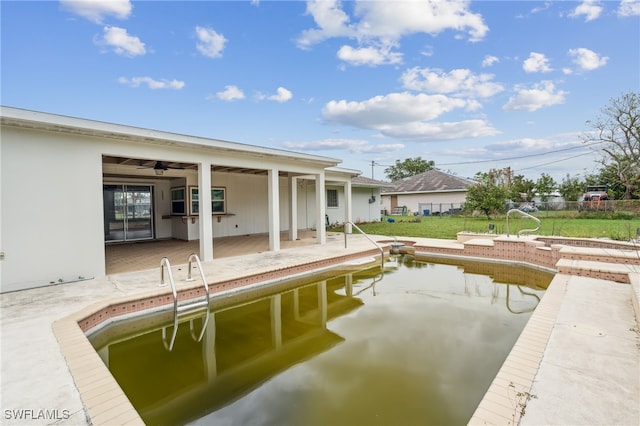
<point x="520" y="157"/>
<point x="552" y="162"/>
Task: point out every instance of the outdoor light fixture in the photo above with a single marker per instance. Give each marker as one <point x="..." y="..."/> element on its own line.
<point x="159" y="172"/>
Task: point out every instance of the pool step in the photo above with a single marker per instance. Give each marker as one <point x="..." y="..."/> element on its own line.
<point x="630" y="257"/>
<point x="618" y="272"/>
<point x="611" y="264"/>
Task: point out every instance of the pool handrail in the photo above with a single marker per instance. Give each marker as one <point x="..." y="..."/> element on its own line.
<point x="524" y="293"/>
<point x="164" y="262"/>
<point x="185" y="308"/>
<point x="368" y="238"/>
<point x="524" y="214"/>
<point x="194" y="258"/>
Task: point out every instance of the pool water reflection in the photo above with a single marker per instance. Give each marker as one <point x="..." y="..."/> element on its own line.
<point x="418" y="345"/>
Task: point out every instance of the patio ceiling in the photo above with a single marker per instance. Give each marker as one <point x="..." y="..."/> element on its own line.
<point x="141" y="167"/>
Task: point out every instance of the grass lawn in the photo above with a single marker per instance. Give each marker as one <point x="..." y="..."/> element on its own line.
<point x="558" y="224"/>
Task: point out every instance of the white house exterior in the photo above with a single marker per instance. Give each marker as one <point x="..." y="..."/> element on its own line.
<point x="432" y="190"/>
<point x="69" y="186"/>
<point x="365" y="197"/>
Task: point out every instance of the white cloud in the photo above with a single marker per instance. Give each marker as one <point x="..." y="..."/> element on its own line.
<point x="377" y="26"/>
<point x="354" y="146"/>
<point x="540" y="95"/>
<point x="489" y="61"/>
<point x="97" y="10"/>
<point x="459" y="81"/>
<point x="406" y="116"/>
<point x="121" y="42"/>
<point x="586" y="59"/>
<point x="441" y="131"/>
<point x="629" y="8"/>
<point x="331" y="20"/>
<point x="525" y="146"/>
<point x="393" y="20"/>
<point x="546" y="5"/>
<point x="210" y="43"/>
<point x="152" y="83"/>
<point x="230" y="93"/>
<point x="369" y="55"/>
<point x="536" y="62"/>
<point x="389" y="109"/>
<point x="282" y="95"/>
<point x="590" y="9"/>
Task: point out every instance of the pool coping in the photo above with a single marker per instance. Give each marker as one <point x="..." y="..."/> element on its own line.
<point x="104" y="401"/>
<point x="106" y="404"/>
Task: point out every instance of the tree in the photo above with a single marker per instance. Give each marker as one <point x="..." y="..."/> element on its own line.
<point x="571" y="188"/>
<point x="545" y="186"/>
<point x="609" y="176"/>
<point x="518" y="188"/>
<point x="618" y="130"/>
<point x="408" y="167"/>
<point x="500" y="177"/>
<point x="522" y="189"/>
<point x="485" y="196"/>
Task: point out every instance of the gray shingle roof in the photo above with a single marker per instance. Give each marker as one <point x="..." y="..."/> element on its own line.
<point x="430" y="181"/>
<point x="365" y="181"/>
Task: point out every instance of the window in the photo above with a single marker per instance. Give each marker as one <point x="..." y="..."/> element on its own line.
<point x="177" y="201"/>
<point x="218" y="200"/>
<point x="195" y="203"/>
<point x="332" y="198"/>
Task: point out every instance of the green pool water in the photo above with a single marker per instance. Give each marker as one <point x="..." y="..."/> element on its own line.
<point x="417" y="345"/>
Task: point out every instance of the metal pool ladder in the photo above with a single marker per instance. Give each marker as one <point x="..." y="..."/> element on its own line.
<point x="522" y="231"/>
<point x="187" y="309"/>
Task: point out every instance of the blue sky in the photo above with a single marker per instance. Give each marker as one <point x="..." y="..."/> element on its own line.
<point x="469" y="85"/>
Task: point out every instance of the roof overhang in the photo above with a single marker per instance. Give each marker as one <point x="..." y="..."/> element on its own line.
<point x="424" y="192"/>
<point x="26" y="119"/>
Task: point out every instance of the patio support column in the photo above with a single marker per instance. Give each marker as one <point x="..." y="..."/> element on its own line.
<point x="348" y="215"/>
<point x="204" y="208"/>
<point x="322" y="303"/>
<point x="321" y="231"/>
<point x="276" y="321"/>
<point x="293" y="208"/>
<point x="274" y="209"/>
<point x="209" y="349"/>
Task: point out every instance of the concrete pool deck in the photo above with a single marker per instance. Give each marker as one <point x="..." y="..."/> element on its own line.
<point x="579" y="353"/>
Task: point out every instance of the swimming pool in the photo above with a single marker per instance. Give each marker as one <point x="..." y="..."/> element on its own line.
<point x="417" y="345"/>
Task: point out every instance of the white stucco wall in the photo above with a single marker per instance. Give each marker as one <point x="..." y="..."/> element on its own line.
<point x="51" y="209"/>
<point x="442" y="201"/>
<point x="363" y="210"/>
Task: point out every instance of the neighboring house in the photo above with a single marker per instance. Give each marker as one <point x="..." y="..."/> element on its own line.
<point x="430" y="192"/>
<point x="68" y="186"/>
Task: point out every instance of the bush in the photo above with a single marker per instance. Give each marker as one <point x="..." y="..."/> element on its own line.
<point x="607" y="215"/>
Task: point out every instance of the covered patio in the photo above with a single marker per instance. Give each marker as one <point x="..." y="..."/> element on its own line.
<point x="139" y="256"/>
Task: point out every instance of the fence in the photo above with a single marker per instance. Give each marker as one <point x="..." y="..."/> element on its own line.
<point x="607" y="206"/>
<point x="438" y="209"/>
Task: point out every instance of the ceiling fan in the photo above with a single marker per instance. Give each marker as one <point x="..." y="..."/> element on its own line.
<point x="160" y="167"/>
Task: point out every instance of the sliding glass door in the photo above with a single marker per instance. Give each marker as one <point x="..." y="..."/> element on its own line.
<point x="128" y="212"/>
